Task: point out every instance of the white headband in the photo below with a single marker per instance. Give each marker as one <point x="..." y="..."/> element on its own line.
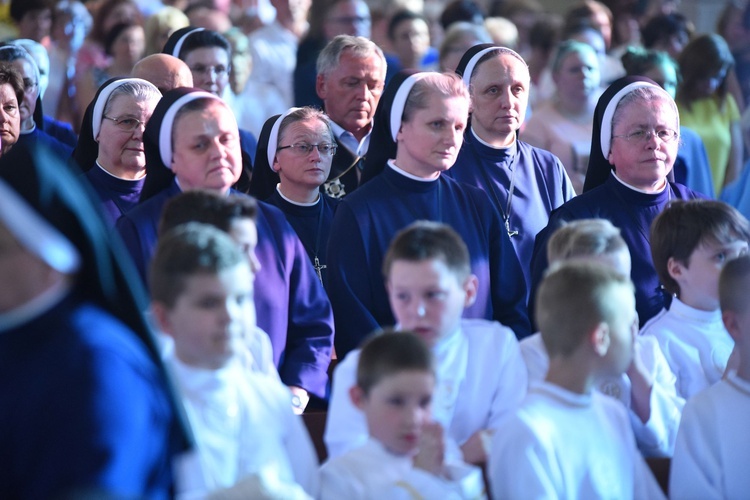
<point x="466" y="77"/>
<point x="35" y="234"/>
<point x="181" y="41"/>
<point x="165" y="130"/>
<point x="605" y="134"/>
<point x="273" y="138"/>
<point x="101" y="102"/>
<point x="399" y="101"/>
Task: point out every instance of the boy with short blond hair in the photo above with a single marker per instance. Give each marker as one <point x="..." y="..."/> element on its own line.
<point x="404" y="456"/>
<point x="647" y="388"/>
<point x="713" y="444"/>
<point x="568" y="440"/>
<point x="248" y="441"/>
<point x="690" y="243"/>
<point x="481" y="376"/>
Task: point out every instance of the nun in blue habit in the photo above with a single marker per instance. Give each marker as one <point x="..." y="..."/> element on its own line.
<point x="406" y="184"/>
<point x="88" y="410"/>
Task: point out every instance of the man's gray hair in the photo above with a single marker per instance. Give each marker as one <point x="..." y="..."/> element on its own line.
<point x="361" y="47"/>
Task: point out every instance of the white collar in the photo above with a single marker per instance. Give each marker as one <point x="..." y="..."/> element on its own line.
<point x="392" y="164"/>
<point x="640" y="190"/>
<point x="299" y="204"/>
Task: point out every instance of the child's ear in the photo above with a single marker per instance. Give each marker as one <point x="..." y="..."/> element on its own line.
<point x="160" y="312"/>
<point x="600" y="339"/>
<point x="675" y="268"/>
<point x="731" y="324"/>
<point x="471" y="288"/>
<point x="357" y="395"/>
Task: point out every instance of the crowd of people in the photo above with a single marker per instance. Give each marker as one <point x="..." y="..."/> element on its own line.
<point x="501" y="253"/>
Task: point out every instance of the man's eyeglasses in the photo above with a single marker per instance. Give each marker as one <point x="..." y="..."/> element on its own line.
<point x="304" y="149"/>
<point x="639" y="136"/>
<point x="126" y="124"/>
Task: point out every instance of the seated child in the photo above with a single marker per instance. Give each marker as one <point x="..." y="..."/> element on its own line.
<point x="713" y="445"/>
<point x="404" y="456"/>
<point x="690" y="243"/>
<point x="568" y="440"/>
<point x="647" y="388"/>
<point x="480" y="373"/>
<point x="236" y="216"/>
<point x="249" y="443"/>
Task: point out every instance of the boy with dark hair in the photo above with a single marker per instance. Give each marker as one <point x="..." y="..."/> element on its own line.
<point x="713" y="444"/>
<point x="567" y="440"/>
<point x="404" y="455"/>
<point x="249" y="442"/>
<point x="481" y="376"/>
<point x="690" y="243"/>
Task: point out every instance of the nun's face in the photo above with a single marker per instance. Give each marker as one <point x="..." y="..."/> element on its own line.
<point x="429" y="143"/>
<point x="210" y="68"/>
<point x="121" y="150"/>
<point x="29" y="274"/>
<point x="206" y="148"/>
<point x="10" y="118"/>
<point x="30" y="93"/>
<point x="499" y="94"/>
<point x="643" y="162"/>
<point x="299" y="171"/>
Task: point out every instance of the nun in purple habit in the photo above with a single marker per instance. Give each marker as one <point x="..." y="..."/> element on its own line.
<point x="88" y="410"/>
<point x="616" y="187"/>
<point x="392" y="198"/>
<point x="523" y="182"/>
<point x="117" y="193"/>
<point x="291" y="304"/>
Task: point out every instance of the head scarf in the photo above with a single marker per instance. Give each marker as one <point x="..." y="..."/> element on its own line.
<point x="471" y="58"/>
<point x="177" y="39"/>
<point x="74" y="238"/>
<point x="601" y="137"/>
<point x="87" y="149"/>
<point x="8" y="53"/>
<point x="157" y="139"/>
<point x="264" y="179"/>
<point x="387" y="122"/>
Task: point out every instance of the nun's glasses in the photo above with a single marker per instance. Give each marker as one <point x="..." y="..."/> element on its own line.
<point x="127" y="123"/>
<point x="640" y="136"/>
<point x="304" y="148"/>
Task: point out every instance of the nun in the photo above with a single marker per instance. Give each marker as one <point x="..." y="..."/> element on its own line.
<point x="418" y="130"/>
<point x="191" y="142"/>
<point x="87" y="407"/>
<point x="633" y="149"/>
<point x="208" y="55"/>
<point x="297" y="148"/>
<point x="31" y="118"/>
<point x="523" y="182"/>
<point x="110" y="149"/>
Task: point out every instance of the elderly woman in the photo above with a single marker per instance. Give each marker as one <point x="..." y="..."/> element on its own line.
<point x="297" y="148"/>
<point x="110" y="149"/>
<point x="419" y="128"/>
<point x="192" y="142"/>
<point x="633" y="148"/>
<point x="562" y="125"/>
<point x="11" y="93"/>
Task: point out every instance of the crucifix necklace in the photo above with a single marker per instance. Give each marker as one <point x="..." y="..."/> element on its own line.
<point x="505" y="214"/>
<point x="316" y="261"/>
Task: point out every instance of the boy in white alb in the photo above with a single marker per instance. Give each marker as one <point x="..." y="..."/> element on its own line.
<point x="568" y="440"/>
<point x="481" y="376"/>
<point x="713" y="445"/>
<point x="647" y="388"/>
<point x="404" y="456"/>
<point x="690" y="243"/>
<point x="249" y="443"/>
